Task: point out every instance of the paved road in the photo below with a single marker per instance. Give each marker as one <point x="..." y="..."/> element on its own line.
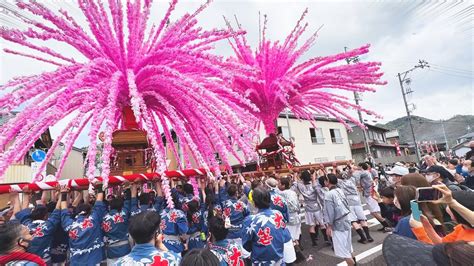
<point x="323" y="255"/>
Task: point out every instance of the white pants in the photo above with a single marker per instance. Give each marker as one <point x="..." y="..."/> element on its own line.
<point x="112" y="261"/>
<point x="295" y="230"/>
<point x="356" y="214"/>
<point x="342" y="242"/>
<point x="314" y="218"/>
<point x="289" y="254"/>
<point x="372" y="204"/>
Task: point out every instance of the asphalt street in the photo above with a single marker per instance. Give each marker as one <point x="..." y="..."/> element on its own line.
<point x="322" y="255"/>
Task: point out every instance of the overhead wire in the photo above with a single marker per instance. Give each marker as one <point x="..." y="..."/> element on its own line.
<point x="454" y="69"/>
<point x="449" y="74"/>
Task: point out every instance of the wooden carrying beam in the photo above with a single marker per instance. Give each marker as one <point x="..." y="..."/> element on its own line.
<point x="295" y="168"/>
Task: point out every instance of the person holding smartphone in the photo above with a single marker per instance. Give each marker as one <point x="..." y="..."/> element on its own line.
<point x="461" y="209"/>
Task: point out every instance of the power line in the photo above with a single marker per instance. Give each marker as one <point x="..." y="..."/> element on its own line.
<point x="450" y="74"/>
<point x="463" y="72"/>
<point x="452" y="68"/>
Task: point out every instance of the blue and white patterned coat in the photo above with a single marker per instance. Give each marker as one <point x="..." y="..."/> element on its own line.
<point x="228" y="253"/>
<point x="147" y="254"/>
<point x="173" y="224"/>
<point x="278" y="203"/>
<point x="86" y="244"/>
<point x="42" y="232"/>
<point x="115" y="230"/>
<point x="264" y="235"/>
<point x="236" y="210"/>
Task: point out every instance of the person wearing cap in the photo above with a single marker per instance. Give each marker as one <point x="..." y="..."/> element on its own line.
<point x="418" y="253"/>
<point x="460" y="208"/>
<point x="470" y="154"/>
<point x="451" y="166"/>
<point x="395" y="175"/>
<point x="437" y="174"/>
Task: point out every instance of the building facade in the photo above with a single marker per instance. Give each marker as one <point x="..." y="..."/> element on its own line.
<point x="74" y="165"/>
<point x="461" y="148"/>
<point x="323" y="140"/>
<point x="379" y="146"/>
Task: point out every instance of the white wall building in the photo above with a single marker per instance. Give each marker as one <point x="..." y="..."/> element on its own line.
<point x="327" y="141"/>
<point x="74" y="165"/>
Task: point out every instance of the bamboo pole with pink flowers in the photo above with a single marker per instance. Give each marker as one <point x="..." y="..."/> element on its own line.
<point x="165" y="72"/>
<point x="307" y="88"/>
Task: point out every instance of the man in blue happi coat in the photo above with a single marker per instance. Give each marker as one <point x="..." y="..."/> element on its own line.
<point x="86" y="244"/>
<point x="115" y="226"/>
<point x="41" y="225"/>
<point x="265" y="234"/>
<point x="148" y="250"/>
<point x="227" y="251"/>
<point x="277" y="201"/>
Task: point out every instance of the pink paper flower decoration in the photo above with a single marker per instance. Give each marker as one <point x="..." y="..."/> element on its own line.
<point x="306" y="88"/>
<point x="164" y="72"/>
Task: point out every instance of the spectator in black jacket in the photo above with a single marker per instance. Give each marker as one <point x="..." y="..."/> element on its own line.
<point x="470" y="154"/>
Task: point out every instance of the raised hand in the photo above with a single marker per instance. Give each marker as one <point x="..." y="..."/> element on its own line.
<point x="447" y="197"/>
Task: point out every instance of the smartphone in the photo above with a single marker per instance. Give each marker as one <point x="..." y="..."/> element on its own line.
<point x="415" y="210"/>
<point x="427" y="194"/>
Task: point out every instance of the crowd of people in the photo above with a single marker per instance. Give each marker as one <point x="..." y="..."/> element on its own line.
<point x="238" y="221"/>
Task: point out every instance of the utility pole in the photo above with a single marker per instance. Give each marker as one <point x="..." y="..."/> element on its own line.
<point x="402" y="78"/>
<point x="357" y="99"/>
<point x="445" y="138"/>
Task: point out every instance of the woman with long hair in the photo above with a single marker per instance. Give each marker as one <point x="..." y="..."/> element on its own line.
<point x="430" y="210"/>
<point x="403" y="196"/>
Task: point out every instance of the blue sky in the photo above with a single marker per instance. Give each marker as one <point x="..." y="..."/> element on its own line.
<point x="400" y="32"/>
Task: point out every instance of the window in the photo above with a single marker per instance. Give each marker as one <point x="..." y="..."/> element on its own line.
<point x="284" y="132"/>
<point x="371" y="135"/>
<point x="316" y="135"/>
<point x="378" y="136"/>
<point x="335" y="135"/>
